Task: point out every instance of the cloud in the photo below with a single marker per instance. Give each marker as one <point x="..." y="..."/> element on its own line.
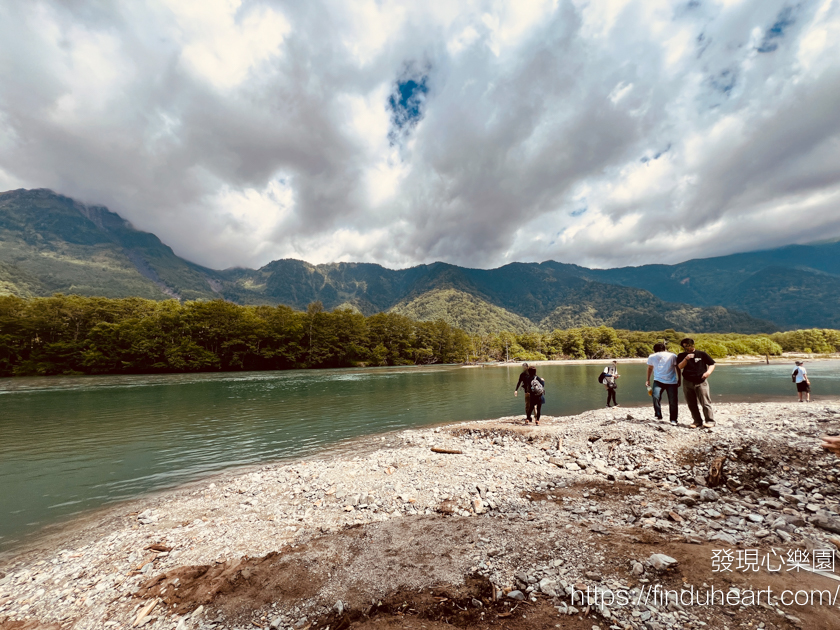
<point x="601" y="132"/>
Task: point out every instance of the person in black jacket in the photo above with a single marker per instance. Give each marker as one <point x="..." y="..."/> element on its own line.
<point x="537" y="397"/>
<point x="525" y="382"/>
<point x="609" y="380"/>
<point x="696" y="367"/>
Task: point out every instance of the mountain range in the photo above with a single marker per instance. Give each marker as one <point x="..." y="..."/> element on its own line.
<point x="50" y="243"/>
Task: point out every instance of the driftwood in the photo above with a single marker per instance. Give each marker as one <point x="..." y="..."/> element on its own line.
<point x="448" y="451"/>
<point x="717" y="476"/>
<point x="145" y="611"/>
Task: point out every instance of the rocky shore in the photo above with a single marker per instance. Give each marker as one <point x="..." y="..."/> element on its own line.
<point x="492" y="523"/>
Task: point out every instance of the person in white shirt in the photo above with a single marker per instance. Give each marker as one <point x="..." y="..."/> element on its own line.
<point x="803" y="385"/>
<point x="666" y="378"/>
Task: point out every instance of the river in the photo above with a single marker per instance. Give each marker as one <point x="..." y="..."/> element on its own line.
<point x="73" y="444"/>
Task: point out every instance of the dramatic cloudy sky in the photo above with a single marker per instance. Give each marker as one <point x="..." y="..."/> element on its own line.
<point x="600" y="132"/>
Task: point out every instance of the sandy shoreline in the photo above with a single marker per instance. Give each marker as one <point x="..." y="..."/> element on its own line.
<point x="434" y="518"/>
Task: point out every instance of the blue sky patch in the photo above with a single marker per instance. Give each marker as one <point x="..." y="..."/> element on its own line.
<point x="578" y="212"/>
<point x="645" y="159"/>
<point x="777" y="31"/>
<point x="407" y="102"/>
<point x="724" y="81"/>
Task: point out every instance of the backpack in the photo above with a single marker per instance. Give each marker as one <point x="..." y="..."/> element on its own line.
<point x="601" y="377"/>
<point x="536" y="387"/>
<point x="793" y="376"/>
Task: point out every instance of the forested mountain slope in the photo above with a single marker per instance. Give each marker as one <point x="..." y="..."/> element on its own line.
<point x="50" y="243"/>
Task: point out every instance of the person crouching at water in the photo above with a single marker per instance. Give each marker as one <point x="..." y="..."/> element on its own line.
<point x="537" y="394"/>
<point x="803" y="385"/>
<point x="611" y="373"/>
<point x="525" y="381"/>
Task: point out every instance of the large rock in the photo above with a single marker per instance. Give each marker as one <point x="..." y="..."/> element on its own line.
<point x="779" y="490"/>
<point x="724" y="538"/>
<point x="549" y="587"/>
<point x="827" y="523"/>
<point x="794" y="521"/>
<point x="707" y="494"/>
<point x="660" y="561"/>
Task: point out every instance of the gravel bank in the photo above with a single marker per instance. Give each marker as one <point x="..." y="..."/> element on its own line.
<point x="520" y="520"/>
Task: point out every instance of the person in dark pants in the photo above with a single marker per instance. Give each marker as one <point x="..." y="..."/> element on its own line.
<point x="696" y="367"/>
<point x="803" y="385"/>
<point x="525" y="382"/>
<point x="610" y="376"/>
<point x="537" y="396"/>
<point x="666" y="378"/>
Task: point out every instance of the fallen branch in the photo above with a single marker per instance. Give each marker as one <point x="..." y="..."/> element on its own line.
<point x="448" y="451"/>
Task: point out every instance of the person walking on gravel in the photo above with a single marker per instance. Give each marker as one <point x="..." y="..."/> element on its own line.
<point x="666" y="378"/>
<point x="537" y="386"/>
<point x="696" y="367"/>
<point x="803" y="385"/>
<point x="525" y="382"/>
<point x="609" y="381"/>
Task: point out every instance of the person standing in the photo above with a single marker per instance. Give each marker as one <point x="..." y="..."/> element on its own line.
<point x="803" y="385"/>
<point x="696" y="367"/>
<point x="609" y="380"/>
<point x="666" y="378"/>
<point x="525" y="382"/>
<point x="537" y="386"/>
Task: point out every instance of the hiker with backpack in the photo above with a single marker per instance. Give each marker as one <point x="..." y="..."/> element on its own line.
<point x="607" y="379"/>
<point x="803" y="385"/>
<point x="525" y="382"/>
<point x="537" y="387"/>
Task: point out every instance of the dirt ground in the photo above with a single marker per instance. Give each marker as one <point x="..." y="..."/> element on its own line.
<point x="407" y="553"/>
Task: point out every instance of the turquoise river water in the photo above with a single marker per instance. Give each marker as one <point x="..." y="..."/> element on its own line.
<point x="72" y="444"/>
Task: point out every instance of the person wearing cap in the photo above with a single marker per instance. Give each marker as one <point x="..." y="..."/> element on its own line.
<point x="610" y="374"/>
<point x="803" y="385"/>
<point x="525" y="381"/>
<point x="696" y="367"/>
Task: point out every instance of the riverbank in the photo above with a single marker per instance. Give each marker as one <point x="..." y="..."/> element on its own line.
<point x="786" y="357"/>
<point x="503" y="531"/>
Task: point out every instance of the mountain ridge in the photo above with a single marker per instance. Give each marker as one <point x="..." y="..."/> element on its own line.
<point x="51" y="243"/>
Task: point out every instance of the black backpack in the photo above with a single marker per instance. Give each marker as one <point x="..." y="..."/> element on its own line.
<point x="601" y="377"/>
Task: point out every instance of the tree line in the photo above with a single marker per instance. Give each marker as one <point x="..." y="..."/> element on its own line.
<point x="603" y="342"/>
<point x="90" y="335"/>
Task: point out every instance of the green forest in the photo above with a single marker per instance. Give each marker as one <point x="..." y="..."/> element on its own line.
<point x="90" y="335"/>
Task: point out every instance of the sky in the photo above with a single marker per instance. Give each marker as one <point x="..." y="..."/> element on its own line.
<point x="598" y="132"/>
